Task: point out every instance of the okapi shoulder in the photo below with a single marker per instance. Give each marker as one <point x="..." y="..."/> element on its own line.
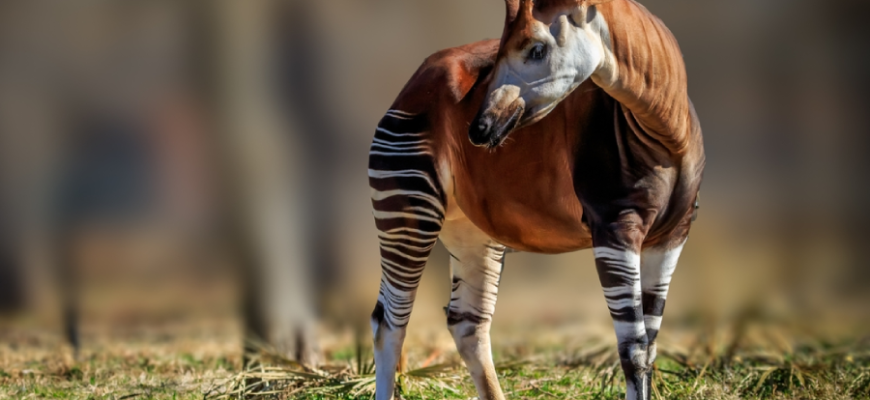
<point x="448" y="74"/>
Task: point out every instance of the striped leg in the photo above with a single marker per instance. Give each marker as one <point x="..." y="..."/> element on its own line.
<point x="618" y="267"/>
<point x="657" y="265"/>
<point x="476" y="262"/>
<point x="408" y="204"/>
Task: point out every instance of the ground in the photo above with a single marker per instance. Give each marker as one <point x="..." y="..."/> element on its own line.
<point x="200" y="359"/>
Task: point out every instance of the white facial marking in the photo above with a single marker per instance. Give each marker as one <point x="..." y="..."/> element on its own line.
<point x="575" y="50"/>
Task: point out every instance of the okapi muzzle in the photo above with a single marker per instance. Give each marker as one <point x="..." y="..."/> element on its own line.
<point x="498" y="117"/>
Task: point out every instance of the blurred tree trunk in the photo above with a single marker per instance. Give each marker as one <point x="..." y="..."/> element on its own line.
<point x="263" y="162"/>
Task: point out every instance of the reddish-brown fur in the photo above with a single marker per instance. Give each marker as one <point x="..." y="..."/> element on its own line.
<point x="636" y="145"/>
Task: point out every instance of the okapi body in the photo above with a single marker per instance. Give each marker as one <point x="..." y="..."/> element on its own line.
<point x="605" y="152"/>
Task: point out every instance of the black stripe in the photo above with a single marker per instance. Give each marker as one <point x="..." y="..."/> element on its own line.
<point x="386" y="224"/>
<point x="455" y="317"/>
<point x="403" y="260"/>
<point x="626" y="314"/>
<point x="396" y="243"/>
<point x="653" y="304"/>
<point x="401" y="203"/>
<point x="424" y="164"/>
<point x="378" y="313"/>
<point x="405" y="124"/>
<point x="416" y="183"/>
<point x="610" y="279"/>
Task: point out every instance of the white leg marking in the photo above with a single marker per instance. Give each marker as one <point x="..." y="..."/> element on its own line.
<point x="626" y="265"/>
<point x="476" y="263"/>
<point x="657" y="269"/>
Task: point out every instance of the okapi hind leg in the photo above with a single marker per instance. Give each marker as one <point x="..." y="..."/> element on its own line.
<point x="409" y="206"/>
<point x="404" y="252"/>
<point x="476" y="262"/>
<point x="617" y="259"/>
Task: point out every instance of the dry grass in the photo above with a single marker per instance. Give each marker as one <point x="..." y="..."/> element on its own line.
<point x="170" y="362"/>
<point x="745" y="360"/>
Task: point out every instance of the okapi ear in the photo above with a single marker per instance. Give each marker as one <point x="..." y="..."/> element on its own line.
<point x="512" y="8"/>
<point x="581" y="14"/>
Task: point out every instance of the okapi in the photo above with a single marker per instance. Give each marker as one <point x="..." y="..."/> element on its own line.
<point x="605" y="152"/>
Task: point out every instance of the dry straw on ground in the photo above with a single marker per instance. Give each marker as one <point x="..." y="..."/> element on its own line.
<point x="748" y="359"/>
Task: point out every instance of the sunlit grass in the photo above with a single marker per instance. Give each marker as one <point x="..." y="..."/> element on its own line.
<point x="745" y="360"/>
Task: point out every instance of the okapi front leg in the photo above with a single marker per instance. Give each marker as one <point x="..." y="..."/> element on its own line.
<point x="657" y="265"/>
<point x="617" y="259"/>
<point x="476" y="262"/>
<point x="408" y="203"/>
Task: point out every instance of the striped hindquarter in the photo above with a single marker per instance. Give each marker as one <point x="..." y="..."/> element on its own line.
<point x="409" y="206"/>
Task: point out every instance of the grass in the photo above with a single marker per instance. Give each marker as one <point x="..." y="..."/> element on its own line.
<point x="169" y="363"/>
<point x="759" y="360"/>
<point x="747" y="361"/>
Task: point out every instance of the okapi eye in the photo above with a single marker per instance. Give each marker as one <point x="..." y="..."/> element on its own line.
<point x="538" y="52"/>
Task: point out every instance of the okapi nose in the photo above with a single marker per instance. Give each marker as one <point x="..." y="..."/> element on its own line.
<point x="479" y="130"/>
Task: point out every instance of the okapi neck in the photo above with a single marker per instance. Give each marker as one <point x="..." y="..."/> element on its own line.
<point x="649" y="76"/>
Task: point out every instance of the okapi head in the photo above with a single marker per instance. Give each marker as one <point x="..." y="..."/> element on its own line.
<point x="548" y="48"/>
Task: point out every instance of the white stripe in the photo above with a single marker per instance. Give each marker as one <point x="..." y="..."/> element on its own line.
<point x="411" y="230"/>
<point x="406" y="173"/>
<point x="631" y="277"/>
<point x="383" y="146"/>
<point x="423" y="210"/>
<point x="399" y="134"/>
<point x="622" y="268"/>
<point x="623" y="263"/>
<point x="408" y="143"/>
<point x="622" y="303"/>
<point x="399" y="252"/>
<point x="408" y="272"/>
<point x="380" y="153"/>
<point x="392" y="266"/>
<point x="388" y="236"/>
<point x="407" y="246"/>
<point x="619" y="291"/>
<point x="400" y="273"/>
<point x="628" y="330"/>
<point x="395" y="294"/>
<point x="626" y="256"/>
<point x="657" y="268"/>
<point x="652" y="322"/>
<point x="378" y="195"/>
<point x="418" y="270"/>
<point x="400" y="112"/>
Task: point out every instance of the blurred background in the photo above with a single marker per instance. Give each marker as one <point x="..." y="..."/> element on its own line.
<point x="166" y="162"/>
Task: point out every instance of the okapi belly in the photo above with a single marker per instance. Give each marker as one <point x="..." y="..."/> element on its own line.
<point x="538" y="214"/>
